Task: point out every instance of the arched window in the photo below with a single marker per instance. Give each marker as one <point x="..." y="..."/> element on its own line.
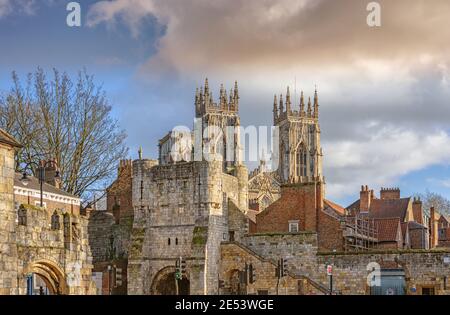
<point x="56" y="224"/>
<point x="301" y="161"/>
<point x="285" y="160"/>
<point x="22" y="216"/>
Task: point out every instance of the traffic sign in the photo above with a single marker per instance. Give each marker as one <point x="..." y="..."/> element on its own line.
<point x="329" y="270"/>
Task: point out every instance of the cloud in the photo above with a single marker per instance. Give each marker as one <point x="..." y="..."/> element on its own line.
<point x="5" y="7"/>
<point x="445" y="183"/>
<point x="27" y="7"/>
<point x="381" y="160"/>
<point x="383" y="91"/>
<point x="226" y="35"/>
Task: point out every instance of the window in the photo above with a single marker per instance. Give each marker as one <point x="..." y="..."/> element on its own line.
<point x="176" y="241"/>
<point x="22" y="214"/>
<point x="168" y="241"/>
<point x="427" y="291"/>
<point x="293" y="226"/>
<point x="56" y="225"/>
<point x="301" y="162"/>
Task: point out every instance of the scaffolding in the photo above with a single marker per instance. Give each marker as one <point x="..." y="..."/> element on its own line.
<point x="360" y="233"/>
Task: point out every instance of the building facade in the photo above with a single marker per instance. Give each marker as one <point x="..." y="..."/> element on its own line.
<point x="40" y="246"/>
<point x="222" y="224"/>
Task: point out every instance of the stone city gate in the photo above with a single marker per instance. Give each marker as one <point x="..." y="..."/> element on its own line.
<point x="50" y="273"/>
<point x="164" y="283"/>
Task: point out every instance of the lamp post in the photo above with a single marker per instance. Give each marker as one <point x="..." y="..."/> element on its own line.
<point x="41" y="176"/>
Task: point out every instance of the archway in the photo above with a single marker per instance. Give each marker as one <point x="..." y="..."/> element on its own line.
<point x="50" y="273"/>
<point x="164" y="283"/>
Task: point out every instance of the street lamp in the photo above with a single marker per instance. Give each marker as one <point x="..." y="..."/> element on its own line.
<point x="41" y="176"/>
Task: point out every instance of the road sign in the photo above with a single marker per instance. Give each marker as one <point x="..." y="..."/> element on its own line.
<point x="329" y="270"/>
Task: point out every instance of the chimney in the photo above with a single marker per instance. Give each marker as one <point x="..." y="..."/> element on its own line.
<point x="50" y="174"/>
<point x="365" y="199"/>
<point x="390" y="193"/>
<point x="417" y="210"/>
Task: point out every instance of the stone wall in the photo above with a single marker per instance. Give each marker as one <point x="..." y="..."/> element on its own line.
<point x="422" y="269"/>
<point x="182" y="211"/>
<point x="62" y="248"/>
<point x="236" y="256"/>
<point x="8" y="247"/>
<point x="110" y="244"/>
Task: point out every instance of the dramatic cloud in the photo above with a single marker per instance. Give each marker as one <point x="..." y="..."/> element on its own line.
<point x="383" y="91"/>
<point x="388" y="154"/>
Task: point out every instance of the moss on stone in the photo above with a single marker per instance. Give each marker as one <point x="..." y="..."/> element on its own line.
<point x="200" y="235"/>
<point x="30" y="207"/>
<point x="272" y="234"/>
<point x="387" y="252"/>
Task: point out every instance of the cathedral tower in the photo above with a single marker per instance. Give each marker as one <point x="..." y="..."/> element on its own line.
<point x="300" y="153"/>
<point x="220" y="119"/>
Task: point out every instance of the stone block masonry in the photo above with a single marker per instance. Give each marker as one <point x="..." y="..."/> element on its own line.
<point x="8" y="247"/>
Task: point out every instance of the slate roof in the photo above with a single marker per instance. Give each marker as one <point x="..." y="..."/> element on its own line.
<point x="34" y="184"/>
<point x="414" y="225"/>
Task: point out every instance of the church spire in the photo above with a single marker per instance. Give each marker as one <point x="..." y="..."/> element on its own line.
<point x="309" y="107"/>
<point x="316" y="104"/>
<point x="236" y="96"/>
<point x="281" y="104"/>
<point x="206" y="87"/>
<point x="223" y="98"/>
<point x="302" y="104"/>
<point x="275" y="109"/>
<point x="288" y="101"/>
<point x="231" y="101"/>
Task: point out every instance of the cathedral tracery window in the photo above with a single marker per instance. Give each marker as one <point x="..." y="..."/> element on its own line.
<point x="301" y="161"/>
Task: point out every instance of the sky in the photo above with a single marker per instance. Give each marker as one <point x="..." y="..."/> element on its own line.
<point x="383" y="91"/>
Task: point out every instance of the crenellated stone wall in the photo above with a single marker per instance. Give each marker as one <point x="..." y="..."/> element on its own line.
<point x="181" y="210"/>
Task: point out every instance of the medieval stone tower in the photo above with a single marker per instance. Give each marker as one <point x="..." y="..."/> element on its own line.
<point x="182" y="208"/>
<point x="300" y="153"/>
<point x="218" y="121"/>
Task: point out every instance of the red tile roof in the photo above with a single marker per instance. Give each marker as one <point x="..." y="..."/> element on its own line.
<point x="388" y="229"/>
<point x="385" y="208"/>
<point x="337" y="208"/>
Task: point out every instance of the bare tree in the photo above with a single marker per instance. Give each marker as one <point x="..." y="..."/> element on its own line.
<point x="431" y="199"/>
<point x="67" y="121"/>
